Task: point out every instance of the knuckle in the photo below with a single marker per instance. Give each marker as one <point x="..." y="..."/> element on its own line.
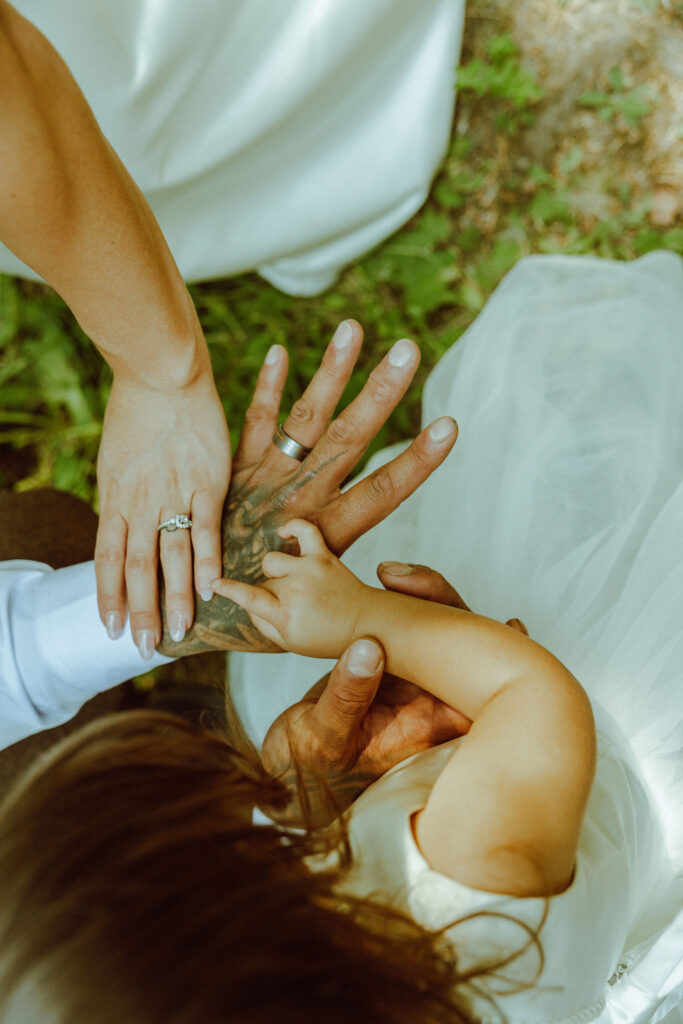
<point x="382" y="486"/>
<point x="342" y="432"/>
<point x="347" y="703"/>
<point x="256" y="414"/>
<point x="378" y="388"/>
<point x="138" y="563"/>
<point x="109" y="556"/>
<point x="302" y="412"/>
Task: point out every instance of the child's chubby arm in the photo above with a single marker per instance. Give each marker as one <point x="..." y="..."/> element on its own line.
<point x="506" y="811"/>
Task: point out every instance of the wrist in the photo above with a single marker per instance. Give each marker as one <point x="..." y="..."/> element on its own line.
<point x="176" y="363"/>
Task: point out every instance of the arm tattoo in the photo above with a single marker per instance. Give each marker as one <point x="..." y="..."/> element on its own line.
<point x="251" y="517"/>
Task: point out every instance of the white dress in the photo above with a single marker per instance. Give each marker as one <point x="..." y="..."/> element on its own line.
<point x="286" y="136"/>
<point x="561" y="504"/>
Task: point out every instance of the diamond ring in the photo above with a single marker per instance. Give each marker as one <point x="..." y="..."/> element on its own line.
<point x="175" y="523"/>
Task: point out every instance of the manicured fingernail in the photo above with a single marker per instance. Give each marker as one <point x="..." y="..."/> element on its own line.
<point x="114" y="625"/>
<point x="395" y="568"/>
<point x="402" y="353"/>
<point x="442" y="429"/>
<point x="363" y="658"/>
<point x="177" y="627"/>
<point x="343" y="336"/>
<point x="271" y="357"/>
<point x="205" y="591"/>
<point x="145" y="643"/>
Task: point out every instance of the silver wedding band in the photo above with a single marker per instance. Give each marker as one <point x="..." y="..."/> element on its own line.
<point x="289" y="446"/>
<point x="175" y="523"/>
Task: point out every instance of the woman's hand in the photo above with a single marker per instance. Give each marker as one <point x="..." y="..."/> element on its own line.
<point x="163" y="453"/>
<point x="310" y="604"/>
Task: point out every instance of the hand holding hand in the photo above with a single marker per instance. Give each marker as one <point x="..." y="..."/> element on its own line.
<point x="310" y="604"/>
<point x="347" y="732"/>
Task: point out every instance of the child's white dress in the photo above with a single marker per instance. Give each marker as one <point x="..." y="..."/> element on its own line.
<point x="561" y="504"/>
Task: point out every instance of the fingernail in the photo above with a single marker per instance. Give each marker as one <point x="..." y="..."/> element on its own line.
<point x="343" y="335"/>
<point x="402" y="353"/>
<point x="145" y="643"/>
<point x="205" y="591"/>
<point x="442" y="429"/>
<point x="114" y="625"/>
<point x="395" y="568"/>
<point x="177" y="627"/>
<point x="363" y="658"/>
<point x="271" y="357"/>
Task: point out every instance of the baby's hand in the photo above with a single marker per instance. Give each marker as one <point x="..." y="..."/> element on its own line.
<point x="310" y="604"/>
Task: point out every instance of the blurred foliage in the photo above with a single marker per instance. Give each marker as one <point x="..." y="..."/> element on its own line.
<point x="490" y="205"/>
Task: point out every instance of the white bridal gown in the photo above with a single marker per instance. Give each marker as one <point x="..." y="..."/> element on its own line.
<point x="284" y="136"/>
<point x="562" y="504"/>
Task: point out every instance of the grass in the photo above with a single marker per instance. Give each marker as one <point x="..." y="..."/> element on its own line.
<point x="492" y="203"/>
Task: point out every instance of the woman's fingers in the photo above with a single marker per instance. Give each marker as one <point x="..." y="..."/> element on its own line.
<point x="141" y="584"/>
<point x="311" y="413"/>
<point x="175" y="553"/>
<point x="261" y="418"/>
<point x="309" y="537"/>
<point x="110" y="560"/>
<point x="419" y="581"/>
<point x="351" y="432"/>
<point x="372" y="499"/>
<point x="206" y="542"/>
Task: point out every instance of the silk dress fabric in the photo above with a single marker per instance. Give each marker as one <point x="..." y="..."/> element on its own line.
<point x="562" y="504"/>
<point x="286" y="136"/>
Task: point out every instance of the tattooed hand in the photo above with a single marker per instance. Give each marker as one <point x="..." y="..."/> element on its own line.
<point x="346" y="733"/>
<point x="268" y="488"/>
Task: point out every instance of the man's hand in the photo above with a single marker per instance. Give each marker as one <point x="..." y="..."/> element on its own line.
<point x="269" y="488"/>
<point x="346" y="733"/>
<point x="356" y="723"/>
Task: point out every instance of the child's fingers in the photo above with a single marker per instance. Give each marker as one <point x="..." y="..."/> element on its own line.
<point x="254" y="600"/>
<point x="309" y="536"/>
<point x="277" y="564"/>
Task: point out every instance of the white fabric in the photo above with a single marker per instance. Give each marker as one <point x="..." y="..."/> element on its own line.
<point x="287" y="136"/>
<point x="54" y="652"/>
<point x="562" y="504"/>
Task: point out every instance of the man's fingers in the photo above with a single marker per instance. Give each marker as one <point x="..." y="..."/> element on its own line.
<point x="261" y="418"/>
<point x="349" y="692"/>
<point x="351" y="432"/>
<point x="308" y="536"/>
<point x="310" y="415"/>
<point x="110" y="560"/>
<point x="254" y="600"/>
<point x="372" y="499"/>
<point x="419" y="581"/>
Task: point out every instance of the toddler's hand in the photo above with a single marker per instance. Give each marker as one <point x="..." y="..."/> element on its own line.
<point x="311" y="604"/>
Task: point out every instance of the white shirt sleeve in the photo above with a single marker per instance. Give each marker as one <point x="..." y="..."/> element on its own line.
<point x="54" y="652"/>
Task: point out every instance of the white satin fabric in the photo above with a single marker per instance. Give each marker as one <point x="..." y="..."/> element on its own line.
<point x="287" y="136"/>
<point x="562" y="504"/>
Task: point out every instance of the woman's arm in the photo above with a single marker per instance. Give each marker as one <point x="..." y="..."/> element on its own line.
<point x="506" y="812"/>
<point x="69" y="210"/>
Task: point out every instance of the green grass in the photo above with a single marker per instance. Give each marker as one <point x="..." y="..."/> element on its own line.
<point x="489" y="206"/>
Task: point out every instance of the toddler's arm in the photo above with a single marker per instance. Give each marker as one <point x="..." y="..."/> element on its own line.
<point x="505" y="813"/>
